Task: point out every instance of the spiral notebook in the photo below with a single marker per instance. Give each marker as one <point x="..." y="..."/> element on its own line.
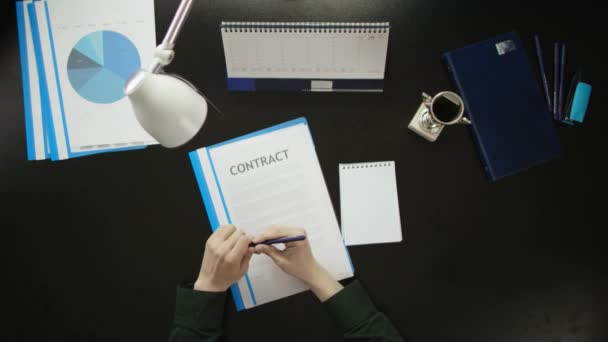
<point x="369" y="204"/>
<point x="305" y="56"/>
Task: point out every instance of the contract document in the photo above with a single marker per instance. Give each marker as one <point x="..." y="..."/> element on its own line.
<point x="271" y="178"/>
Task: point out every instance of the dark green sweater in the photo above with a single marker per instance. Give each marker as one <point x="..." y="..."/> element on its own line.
<point x="198" y="316"/>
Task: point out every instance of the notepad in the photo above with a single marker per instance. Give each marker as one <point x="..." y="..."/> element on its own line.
<point x="271" y="177"/>
<point x="369" y="203"/>
<point x="305" y="56"/>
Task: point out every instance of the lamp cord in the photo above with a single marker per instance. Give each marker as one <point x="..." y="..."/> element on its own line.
<point x="197" y="90"/>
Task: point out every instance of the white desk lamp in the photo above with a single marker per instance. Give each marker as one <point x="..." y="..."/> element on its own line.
<point x="168" y="107"/>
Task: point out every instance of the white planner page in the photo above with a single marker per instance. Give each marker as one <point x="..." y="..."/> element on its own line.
<point x="287" y="188"/>
<point x="334" y="53"/>
<point x="369" y="205"/>
<point x="97" y="46"/>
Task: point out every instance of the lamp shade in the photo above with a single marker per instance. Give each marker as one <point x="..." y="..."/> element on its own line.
<point x="168" y="108"/>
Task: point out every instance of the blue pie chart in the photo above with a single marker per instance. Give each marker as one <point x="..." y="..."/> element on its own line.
<point x="100" y="64"/>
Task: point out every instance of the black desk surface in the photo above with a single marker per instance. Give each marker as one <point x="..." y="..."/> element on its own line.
<point x="94" y="247"/>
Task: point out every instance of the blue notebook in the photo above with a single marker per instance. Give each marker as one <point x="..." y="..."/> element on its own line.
<point x="510" y="122"/>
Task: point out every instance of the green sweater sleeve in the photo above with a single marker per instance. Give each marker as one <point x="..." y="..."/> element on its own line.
<point x="358" y="318"/>
<point x="198" y="316"/>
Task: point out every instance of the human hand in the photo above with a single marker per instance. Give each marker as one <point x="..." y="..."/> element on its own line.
<point x="225" y="260"/>
<point x="297" y="260"/>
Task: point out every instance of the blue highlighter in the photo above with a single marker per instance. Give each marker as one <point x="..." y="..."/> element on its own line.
<point x="578" y="100"/>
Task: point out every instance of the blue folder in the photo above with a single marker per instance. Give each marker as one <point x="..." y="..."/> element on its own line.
<point x="209" y="179"/>
<point x="510" y="121"/>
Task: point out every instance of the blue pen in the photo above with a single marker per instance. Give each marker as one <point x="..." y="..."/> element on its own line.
<point x="543" y="74"/>
<point x="555" y="78"/>
<point x="280" y="240"/>
<point x="562" y="75"/>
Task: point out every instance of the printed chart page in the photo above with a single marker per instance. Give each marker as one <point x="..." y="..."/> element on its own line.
<point x="97" y="46"/>
<point x="274" y="178"/>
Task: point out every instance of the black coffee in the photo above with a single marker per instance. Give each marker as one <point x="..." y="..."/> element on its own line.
<point x="445" y="110"/>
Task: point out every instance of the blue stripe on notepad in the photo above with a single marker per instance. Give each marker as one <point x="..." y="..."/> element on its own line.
<point x="300" y="84"/>
<point x="241" y="84"/>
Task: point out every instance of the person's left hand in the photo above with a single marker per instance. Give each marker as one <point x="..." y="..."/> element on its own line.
<point x="225" y="261"/>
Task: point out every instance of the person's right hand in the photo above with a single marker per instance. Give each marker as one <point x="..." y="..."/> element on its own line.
<point x="297" y="260"/>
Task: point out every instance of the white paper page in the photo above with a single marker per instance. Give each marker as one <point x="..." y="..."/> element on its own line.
<point x="37" y="135"/>
<point x="287" y="192"/>
<point x="369" y="205"/>
<point x="50" y="75"/>
<point x="284" y="53"/>
<point x="97" y="45"/>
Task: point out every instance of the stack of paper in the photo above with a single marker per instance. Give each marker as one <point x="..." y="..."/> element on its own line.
<point x="76" y="56"/>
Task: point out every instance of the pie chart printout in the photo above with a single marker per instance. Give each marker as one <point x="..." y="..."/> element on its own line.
<point x="100" y="64"/>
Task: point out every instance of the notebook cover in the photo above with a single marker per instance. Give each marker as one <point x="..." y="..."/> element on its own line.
<point x="510" y="122"/>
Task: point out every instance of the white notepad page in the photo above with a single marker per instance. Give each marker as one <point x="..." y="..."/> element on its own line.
<point x="274" y="179"/>
<point x="369" y="203"/>
<point x="305" y="50"/>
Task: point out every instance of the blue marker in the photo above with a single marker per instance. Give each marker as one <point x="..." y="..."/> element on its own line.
<point x="560" y="108"/>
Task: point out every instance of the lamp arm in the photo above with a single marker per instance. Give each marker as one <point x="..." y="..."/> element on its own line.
<point x="164" y="52"/>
